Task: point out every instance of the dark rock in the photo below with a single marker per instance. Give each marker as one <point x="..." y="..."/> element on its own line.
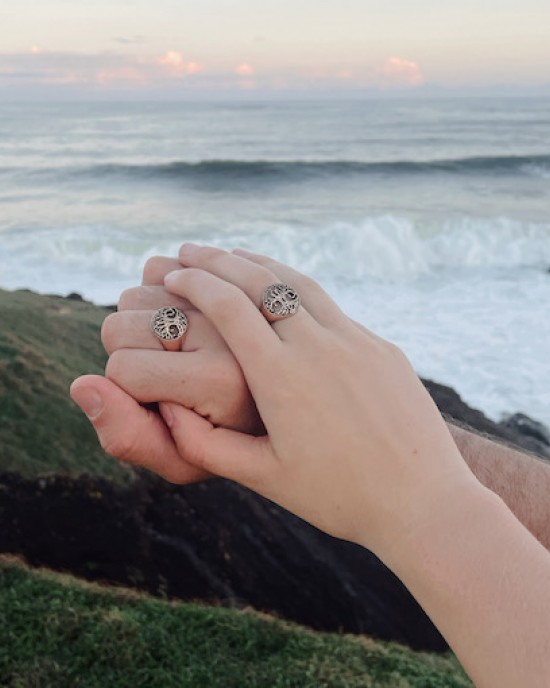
<point x="522" y="424"/>
<point x="73" y="296"/>
<point x="213" y="541"/>
<point x="524" y="433"/>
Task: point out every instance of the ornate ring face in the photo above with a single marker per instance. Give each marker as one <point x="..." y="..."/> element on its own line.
<point x="280" y="301"/>
<point x="169" y="323"/>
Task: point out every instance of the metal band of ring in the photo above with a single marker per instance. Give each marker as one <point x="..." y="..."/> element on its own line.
<point x="169" y="324"/>
<point x="279" y="301"/>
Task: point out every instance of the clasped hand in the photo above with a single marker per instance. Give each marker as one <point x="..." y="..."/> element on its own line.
<point x="314" y="412"/>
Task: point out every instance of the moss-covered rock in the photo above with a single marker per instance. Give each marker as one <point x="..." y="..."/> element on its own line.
<point x="45" y="342"/>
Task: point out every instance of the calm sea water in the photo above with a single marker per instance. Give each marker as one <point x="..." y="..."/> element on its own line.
<point x="427" y="221"/>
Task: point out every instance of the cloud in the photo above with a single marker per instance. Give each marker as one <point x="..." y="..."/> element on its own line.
<point x="244" y="69"/>
<point x="39" y="71"/>
<point x="194" y="67"/>
<point x="129" y="40"/>
<point x="399" y="72"/>
<point x="59" y="71"/>
<point x="175" y="65"/>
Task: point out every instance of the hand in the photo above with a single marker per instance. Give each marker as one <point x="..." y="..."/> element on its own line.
<point x="137" y="435"/>
<point x="204" y="375"/>
<point x="215" y="387"/>
<point x="354" y="443"/>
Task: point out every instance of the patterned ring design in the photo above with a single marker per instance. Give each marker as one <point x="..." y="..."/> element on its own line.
<point x="169" y="323"/>
<point x="280" y="301"/>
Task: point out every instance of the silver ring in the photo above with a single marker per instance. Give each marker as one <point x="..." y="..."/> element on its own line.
<point x="279" y="301"/>
<point x="169" y="324"/>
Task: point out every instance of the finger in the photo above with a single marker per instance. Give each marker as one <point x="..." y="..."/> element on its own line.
<point x="324" y="310"/>
<point x="150" y="298"/>
<point x="157" y="267"/>
<point x="227" y="453"/>
<point x="246" y="332"/>
<point x="150" y="376"/>
<point x="251" y="278"/>
<point x="130" y="432"/>
<point x="132" y="330"/>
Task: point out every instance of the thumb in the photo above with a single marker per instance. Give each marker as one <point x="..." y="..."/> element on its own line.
<point x="129" y="431"/>
<point x="244" y="458"/>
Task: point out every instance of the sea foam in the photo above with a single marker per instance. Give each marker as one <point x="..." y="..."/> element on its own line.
<point x="466" y="298"/>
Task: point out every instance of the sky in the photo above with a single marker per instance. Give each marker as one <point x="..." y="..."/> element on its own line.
<point x="150" y="49"/>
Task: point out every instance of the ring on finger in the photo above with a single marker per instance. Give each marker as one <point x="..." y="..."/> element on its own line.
<point x="169" y="324"/>
<point x="279" y="301"/>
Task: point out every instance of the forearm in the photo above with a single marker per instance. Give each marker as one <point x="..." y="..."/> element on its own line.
<point x="485" y="582"/>
<point x="521" y="480"/>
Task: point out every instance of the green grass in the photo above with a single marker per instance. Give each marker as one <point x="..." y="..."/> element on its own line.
<point x="56" y="631"/>
<point x="45" y="342"/>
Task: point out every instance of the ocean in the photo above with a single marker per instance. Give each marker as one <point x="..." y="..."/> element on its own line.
<point x="428" y="221"/>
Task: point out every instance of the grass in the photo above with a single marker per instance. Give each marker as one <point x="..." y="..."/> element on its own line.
<point x="56" y="631"/>
<point x="45" y="342"/>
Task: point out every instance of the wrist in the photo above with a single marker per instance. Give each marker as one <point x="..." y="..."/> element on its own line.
<point x="473" y="568"/>
<point x="446" y="516"/>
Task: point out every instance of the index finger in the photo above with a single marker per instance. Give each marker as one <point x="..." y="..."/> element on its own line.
<point x="246" y="332"/>
<point x="156" y="269"/>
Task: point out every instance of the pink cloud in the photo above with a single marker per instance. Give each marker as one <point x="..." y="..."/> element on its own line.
<point x="174" y="63"/>
<point x="244" y="69"/>
<point x="194" y="67"/>
<point x="36" y="50"/>
<point x="399" y="72"/>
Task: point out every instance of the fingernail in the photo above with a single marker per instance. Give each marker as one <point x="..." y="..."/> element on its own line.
<point x="242" y="252"/>
<point x="89" y="401"/>
<point x="188" y="248"/>
<point x="167" y="415"/>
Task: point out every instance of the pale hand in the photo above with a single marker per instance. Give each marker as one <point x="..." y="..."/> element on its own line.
<point x="354" y="443"/>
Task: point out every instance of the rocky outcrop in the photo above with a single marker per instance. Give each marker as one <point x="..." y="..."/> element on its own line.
<point x="213" y="541"/>
<point x="518" y="429"/>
